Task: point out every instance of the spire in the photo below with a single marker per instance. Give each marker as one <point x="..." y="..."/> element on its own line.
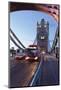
<point x="37" y="23"/>
<point x="42" y="22"/>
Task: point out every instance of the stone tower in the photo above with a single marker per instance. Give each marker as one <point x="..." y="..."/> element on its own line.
<point x="42" y="35"/>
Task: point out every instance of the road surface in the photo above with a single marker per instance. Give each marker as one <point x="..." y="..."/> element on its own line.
<point x="22" y="73"/>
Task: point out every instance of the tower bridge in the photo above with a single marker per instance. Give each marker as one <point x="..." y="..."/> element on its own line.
<point x="46" y="70"/>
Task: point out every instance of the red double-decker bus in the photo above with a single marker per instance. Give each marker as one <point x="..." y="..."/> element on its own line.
<point x="31" y="53"/>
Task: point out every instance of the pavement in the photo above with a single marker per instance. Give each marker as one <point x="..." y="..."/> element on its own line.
<point x="50" y="71"/>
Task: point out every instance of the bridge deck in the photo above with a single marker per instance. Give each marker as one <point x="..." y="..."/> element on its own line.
<point x="21" y="73"/>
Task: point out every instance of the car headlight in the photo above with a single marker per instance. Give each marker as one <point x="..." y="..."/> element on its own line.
<point x="27" y="58"/>
<point x="36" y="58"/>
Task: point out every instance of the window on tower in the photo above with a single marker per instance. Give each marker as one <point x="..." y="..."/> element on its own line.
<point x="45" y="26"/>
<point x="42" y="37"/>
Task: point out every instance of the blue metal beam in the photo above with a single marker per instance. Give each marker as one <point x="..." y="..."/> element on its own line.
<point x="15" y="43"/>
<point x="17" y="39"/>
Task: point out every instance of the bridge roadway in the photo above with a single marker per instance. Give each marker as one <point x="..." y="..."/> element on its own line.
<point x="21" y="74"/>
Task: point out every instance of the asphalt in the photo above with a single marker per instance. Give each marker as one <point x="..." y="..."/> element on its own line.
<point x="22" y="73"/>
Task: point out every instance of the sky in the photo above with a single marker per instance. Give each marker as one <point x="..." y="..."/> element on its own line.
<point x="24" y="25"/>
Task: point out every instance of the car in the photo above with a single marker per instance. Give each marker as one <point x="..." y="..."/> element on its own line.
<point x="19" y="57"/>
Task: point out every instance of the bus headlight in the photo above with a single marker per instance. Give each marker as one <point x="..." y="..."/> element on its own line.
<point x="36" y="58"/>
<point x="27" y="58"/>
